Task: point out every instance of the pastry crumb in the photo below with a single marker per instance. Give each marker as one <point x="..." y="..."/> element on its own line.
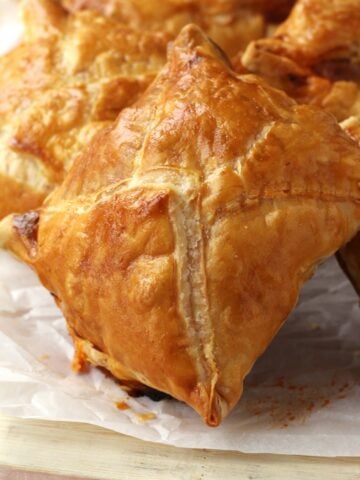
<point x="145" y="417"/>
<point x="45" y="356"/>
<point x="122" y="405"/>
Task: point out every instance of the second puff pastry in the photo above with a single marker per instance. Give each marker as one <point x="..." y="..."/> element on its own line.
<point x="232" y="24"/>
<point x="178" y="243"/>
<point x="314" y="55"/>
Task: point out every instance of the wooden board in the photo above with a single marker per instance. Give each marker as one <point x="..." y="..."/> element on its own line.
<point x="96" y="453"/>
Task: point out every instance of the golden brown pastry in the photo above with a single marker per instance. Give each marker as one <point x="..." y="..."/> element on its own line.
<point x="314" y="55"/>
<point x="232" y="24"/>
<point x="178" y="242"/>
<point x="70" y="78"/>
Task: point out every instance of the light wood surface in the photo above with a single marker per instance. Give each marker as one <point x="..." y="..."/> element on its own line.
<point x="92" y="452"/>
<point x="13" y="474"/>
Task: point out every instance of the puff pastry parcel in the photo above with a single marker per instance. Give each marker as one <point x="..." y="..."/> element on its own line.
<point x="314" y="55"/>
<point x="232" y="24"/>
<point x="70" y="78"/>
<point x="178" y="242"/>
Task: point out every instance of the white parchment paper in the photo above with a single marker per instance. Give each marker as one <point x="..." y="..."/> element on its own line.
<point x="302" y="397"/>
<point x="11" y="28"/>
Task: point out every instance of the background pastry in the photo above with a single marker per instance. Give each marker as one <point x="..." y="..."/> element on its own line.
<point x="314" y="55"/>
<point x="70" y="78"/>
<point x="208" y="180"/>
<point x="232" y="24"/>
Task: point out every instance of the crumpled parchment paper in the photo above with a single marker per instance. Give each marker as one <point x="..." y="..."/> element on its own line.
<point x="302" y="397"/>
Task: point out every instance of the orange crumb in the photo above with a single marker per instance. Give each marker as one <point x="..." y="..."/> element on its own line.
<point x="310" y="406"/>
<point x="293" y="387"/>
<point x="343" y="387"/>
<point x="79" y="363"/>
<point x="279" y="382"/>
<point x="122" y="405"/>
